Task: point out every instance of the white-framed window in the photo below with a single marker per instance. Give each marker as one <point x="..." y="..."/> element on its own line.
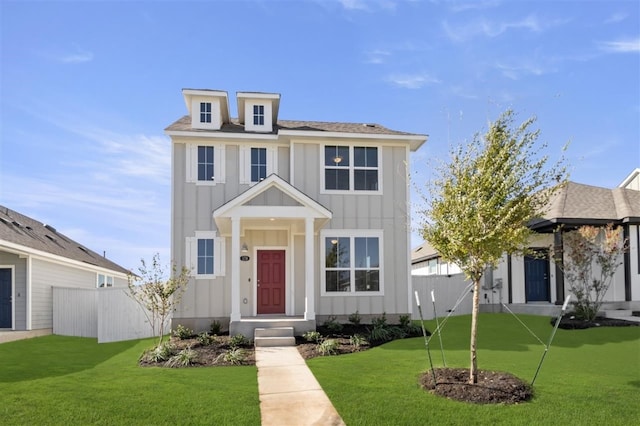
<point x="256" y="163"/>
<point x="351" y="168"/>
<point x="258" y="115"/>
<point x="104" y="281"/>
<point x="205" y="255"/>
<point x="352" y="262"/>
<point x="205" y="164"/>
<point x="205" y="112"/>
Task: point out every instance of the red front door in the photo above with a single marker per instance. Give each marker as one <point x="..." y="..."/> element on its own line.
<point x="271" y="282"/>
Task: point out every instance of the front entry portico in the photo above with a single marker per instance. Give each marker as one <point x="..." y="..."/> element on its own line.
<point x="266" y="208"/>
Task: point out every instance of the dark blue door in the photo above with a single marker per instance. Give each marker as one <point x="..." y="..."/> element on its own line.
<point x="5" y="298"/>
<point x="536" y="278"/>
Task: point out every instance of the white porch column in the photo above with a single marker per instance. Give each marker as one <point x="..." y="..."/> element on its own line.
<point x="310" y="259"/>
<point x="235" y="269"/>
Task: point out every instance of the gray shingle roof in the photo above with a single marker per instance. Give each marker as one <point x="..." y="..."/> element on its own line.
<point x="581" y="204"/>
<point x="19" y="229"/>
<point x="184" y="124"/>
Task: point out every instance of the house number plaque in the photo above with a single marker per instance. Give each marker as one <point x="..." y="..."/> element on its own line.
<point x="244" y="258"/>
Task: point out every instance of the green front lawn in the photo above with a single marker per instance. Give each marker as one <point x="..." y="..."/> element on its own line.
<point x="588" y="377"/>
<point x="73" y="381"/>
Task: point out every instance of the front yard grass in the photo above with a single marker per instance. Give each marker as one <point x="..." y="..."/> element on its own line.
<point x="71" y="380"/>
<point x="588" y="377"/>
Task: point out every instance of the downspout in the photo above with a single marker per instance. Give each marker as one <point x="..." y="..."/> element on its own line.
<point x="509" y="279"/>
<point x="558" y="254"/>
<point x="627" y="265"/>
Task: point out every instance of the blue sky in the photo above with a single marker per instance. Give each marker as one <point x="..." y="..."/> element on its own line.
<point x="88" y="87"/>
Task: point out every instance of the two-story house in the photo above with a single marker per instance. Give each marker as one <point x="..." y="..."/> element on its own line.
<point x="290" y="222"/>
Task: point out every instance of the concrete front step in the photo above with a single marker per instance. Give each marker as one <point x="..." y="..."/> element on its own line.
<point x="270" y="342"/>
<point x="274" y="336"/>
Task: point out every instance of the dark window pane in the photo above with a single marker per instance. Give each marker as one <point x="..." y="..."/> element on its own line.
<point x="367" y="253"/>
<point x="372" y="157"/>
<point x="365" y="180"/>
<point x="367" y="280"/>
<point x="331" y="252"/>
<point x="332" y="281"/>
<point x="359" y="156"/>
<point x="344" y="281"/>
<point x="336" y="179"/>
<point x="336" y="156"/>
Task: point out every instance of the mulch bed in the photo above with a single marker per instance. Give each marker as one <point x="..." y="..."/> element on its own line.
<point x="570" y="322"/>
<point x="493" y="387"/>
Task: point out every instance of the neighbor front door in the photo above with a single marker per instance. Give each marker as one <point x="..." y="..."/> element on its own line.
<point x="536" y="278"/>
<point x="270" y="282"/>
<point x="5" y="298"/>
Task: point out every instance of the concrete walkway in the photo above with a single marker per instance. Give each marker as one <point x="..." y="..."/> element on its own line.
<point x="10" y="336"/>
<point x="289" y="393"/>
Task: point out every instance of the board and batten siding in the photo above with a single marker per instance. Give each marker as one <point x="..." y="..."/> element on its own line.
<point x="20" y="287"/>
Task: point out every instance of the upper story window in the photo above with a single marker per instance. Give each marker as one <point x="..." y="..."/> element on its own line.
<point x="258" y="164"/>
<point x="105" y="281"/>
<point x="352" y="263"/>
<point x="349" y="168"/>
<point x="258" y="115"/>
<point x="205" y="163"/>
<point x="205" y="112"/>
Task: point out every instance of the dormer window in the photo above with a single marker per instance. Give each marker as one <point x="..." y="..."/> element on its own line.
<point x="205" y="112"/>
<point x="258" y="115"/>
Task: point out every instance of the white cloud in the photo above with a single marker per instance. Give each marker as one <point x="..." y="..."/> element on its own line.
<point x="412" y="81"/>
<point x="354" y="4"/>
<point x="491" y="29"/>
<point x="621" y="46"/>
<point x="615" y="18"/>
<point x="517" y="69"/>
<point x="77" y="56"/>
<point x="377" y="56"/>
<point x="476" y="5"/>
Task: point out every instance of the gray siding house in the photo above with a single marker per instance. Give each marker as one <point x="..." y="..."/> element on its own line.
<point x="34" y="258"/>
<point x="290" y="221"/>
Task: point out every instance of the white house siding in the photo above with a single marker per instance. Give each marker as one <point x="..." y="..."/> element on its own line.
<point x="44" y="276"/>
<point x="20" y="287"/>
<point x="75" y="311"/>
<point x="387" y="212"/>
<point x="634" y="261"/>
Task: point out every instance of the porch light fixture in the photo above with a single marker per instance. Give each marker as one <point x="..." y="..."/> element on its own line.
<point x="334" y="241"/>
<point x="245" y="249"/>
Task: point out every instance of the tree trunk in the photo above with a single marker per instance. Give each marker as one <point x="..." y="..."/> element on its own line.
<point x="473" y="369"/>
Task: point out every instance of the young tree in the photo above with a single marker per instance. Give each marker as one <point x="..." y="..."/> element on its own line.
<point x="156" y="293"/>
<point x="591" y="257"/>
<point x="481" y="201"/>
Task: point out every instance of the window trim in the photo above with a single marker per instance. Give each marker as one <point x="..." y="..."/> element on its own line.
<point x="245" y="162"/>
<point x="219" y="158"/>
<point x="352" y="168"/>
<point x="106" y="277"/>
<point x="351" y="234"/>
<point x="191" y="254"/>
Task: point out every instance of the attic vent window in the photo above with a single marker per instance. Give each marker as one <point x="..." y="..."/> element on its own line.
<point x="205" y="112"/>
<point x="258" y="115"/>
<point x="369" y="124"/>
<point x="50" y="237"/>
<point x="16" y="223"/>
<point x="50" y="228"/>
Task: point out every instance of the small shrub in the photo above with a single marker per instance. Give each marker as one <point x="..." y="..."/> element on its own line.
<point x="405" y="320"/>
<point x="397" y="333"/>
<point x="332" y="324"/>
<point x="380" y="334"/>
<point x="235" y="356"/>
<point x="182" y="332"/>
<point x="354" y="318"/>
<point x="215" y="328"/>
<point x="312" y="336"/>
<point x="380" y="321"/>
<point x="328" y="347"/>
<point x="160" y="353"/>
<point x="238" y="340"/>
<point x="184" y="358"/>
<point x="357" y="341"/>
<point x="205" y="339"/>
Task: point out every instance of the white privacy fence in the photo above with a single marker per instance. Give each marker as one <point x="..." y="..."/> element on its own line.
<point x="447" y="290"/>
<point x="107" y="313"/>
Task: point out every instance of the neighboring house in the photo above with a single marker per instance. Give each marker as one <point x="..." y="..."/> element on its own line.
<point x="537" y="280"/>
<point x="34" y="258"/>
<point x="425" y="260"/>
<point x="290" y="220"/>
